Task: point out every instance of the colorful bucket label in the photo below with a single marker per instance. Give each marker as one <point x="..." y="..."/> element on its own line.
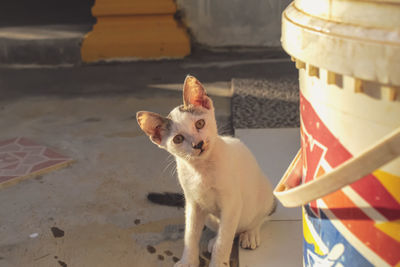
<point x="358" y="225"/>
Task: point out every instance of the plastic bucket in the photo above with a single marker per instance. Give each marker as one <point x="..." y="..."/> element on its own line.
<point x="347" y="173"/>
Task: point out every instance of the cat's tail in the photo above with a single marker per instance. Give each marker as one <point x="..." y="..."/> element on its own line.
<point x="271" y="211"/>
<point x="273" y="207"/>
<point x="167" y="199"/>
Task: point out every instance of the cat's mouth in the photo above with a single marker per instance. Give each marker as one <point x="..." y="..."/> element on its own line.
<point x="201" y="151"/>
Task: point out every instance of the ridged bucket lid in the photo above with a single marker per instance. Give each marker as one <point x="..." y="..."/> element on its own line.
<point x="355" y="38"/>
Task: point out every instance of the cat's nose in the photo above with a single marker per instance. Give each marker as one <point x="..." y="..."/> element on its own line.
<point x="199" y="145"/>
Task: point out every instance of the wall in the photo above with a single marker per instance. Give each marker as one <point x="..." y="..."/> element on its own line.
<point x="219" y="23"/>
<point x="45" y="12"/>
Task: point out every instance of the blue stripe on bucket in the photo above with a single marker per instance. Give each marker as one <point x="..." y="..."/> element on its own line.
<point x="340" y="250"/>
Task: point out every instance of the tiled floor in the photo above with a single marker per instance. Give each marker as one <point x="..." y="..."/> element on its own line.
<point x="281" y="246"/>
<point x="21" y="158"/>
<point x="281" y="238"/>
<point x="100" y="200"/>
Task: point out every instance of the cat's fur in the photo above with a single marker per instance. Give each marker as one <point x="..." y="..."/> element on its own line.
<point x="223" y="185"/>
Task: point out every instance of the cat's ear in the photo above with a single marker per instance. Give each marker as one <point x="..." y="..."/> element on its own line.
<point x="154" y="125"/>
<point x="195" y="94"/>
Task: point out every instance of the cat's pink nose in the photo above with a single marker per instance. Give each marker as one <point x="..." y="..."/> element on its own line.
<point x="199" y="145"/>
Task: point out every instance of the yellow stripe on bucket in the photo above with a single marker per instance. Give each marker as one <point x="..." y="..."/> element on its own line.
<point x="392" y="229"/>
<point x="390" y="182"/>
<point x="309" y="237"/>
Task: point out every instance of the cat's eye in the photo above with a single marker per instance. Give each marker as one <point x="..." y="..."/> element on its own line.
<point x="200" y="124"/>
<point x="178" y="139"/>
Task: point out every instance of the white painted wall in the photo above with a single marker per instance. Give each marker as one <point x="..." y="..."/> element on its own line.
<point x="219" y="23"/>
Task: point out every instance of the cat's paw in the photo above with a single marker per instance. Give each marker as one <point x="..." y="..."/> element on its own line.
<point x="211" y="243"/>
<point x="250" y="239"/>
<point x="184" y="264"/>
<point x="219" y="264"/>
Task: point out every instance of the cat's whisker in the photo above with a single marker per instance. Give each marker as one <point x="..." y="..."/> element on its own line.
<point x="166" y="167"/>
<point x="169" y="160"/>
<point x="169" y="164"/>
<point x="174" y="171"/>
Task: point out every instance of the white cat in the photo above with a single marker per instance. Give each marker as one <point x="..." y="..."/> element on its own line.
<point x="223" y="185"/>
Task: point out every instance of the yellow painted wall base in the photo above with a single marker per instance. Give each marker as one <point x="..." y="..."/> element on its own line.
<point x="134" y="36"/>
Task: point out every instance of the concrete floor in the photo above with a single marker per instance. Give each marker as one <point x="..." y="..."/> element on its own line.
<point x="100" y="200"/>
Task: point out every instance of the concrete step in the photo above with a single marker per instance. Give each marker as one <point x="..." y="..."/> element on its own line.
<point x="42" y="44"/>
<point x="60" y="44"/>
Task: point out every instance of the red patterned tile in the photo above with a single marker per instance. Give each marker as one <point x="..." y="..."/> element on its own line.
<point x="33" y="159"/>
<point x="19" y="170"/>
<point x="52" y="154"/>
<point x="10" y="167"/>
<point x="6" y="142"/>
<point x="21" y="158"/>
<point x="26" y="142"/>
<point x="46" y="164"/>
<point x="6" y="178"/>
<point x="19" y="154"/>
<point x="37" y="150"/>
<point x="7" y="159"/>
<point x="9" y="148"/>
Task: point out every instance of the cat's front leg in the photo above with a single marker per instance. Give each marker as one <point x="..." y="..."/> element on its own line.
<point x="230" y="216"/>
<point x="194" y="222"/>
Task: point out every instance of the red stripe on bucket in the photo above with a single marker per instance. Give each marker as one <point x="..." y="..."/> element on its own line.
<point x="363" y="227"/>
<point x="316" y="135"/>
<point x="369" y="187"/>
